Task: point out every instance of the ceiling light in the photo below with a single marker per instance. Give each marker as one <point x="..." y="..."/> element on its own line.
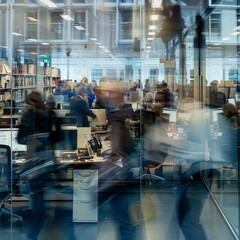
<point x="156" y="3"/>
<point x="225" y="39"/>
<point x="33" y="53"/>
<point x="78" y="27"/>
<point x="93" y="39"/>
<point x="17" y="34"/>
<point x="66" y="17"/>
<point x="235" y="33"/>
<point x="100" y="46"/>
<point x="216" y="44"/>
<point x="152" y="27"/>
<point x="45" y="44"/>
<point x="3" y="46"/>
<point x="48" y="3"/>
<point x="154" y="17"/>
<point x="151" y="33"/>
<point x="236" y="28"/>
<point x="150" y="39"/>
<point x="32" y="39"/>
<point x="20" y="50"/>
<point x="32" y="19"/>
<point x="148" y="47"/>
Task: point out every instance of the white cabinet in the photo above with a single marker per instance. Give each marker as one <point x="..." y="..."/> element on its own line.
<point x="85" y="196"/>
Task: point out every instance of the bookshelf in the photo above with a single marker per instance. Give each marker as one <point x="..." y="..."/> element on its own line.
<point x="5" y="84"/>
<point x="24" y="80"/>
<point x="48" y="78"/>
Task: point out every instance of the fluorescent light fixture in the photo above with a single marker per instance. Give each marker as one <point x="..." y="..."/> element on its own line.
<point x="98" y="43"/>
<point x="236" y="28"/>
<point x="32" y="39"/>
<point x="152" y="27"/>
<point x="20" y="50"/>
<point x="151" y="33"/>
<point x="33" y="53"/>
<point x="3" y="46"/>
<point x="48" y="3"/>
<point x="100" y="46"/>
<point x="17" y="34"/>
<point x="66" y="17"/>
<point x="235" y="33"/>
<point x="156" y="3"/>
<point x="32" y="19"/>
<point x="216" y="44"/>
<point x="107" y="51"/>
<point x="225" y="39"/>
<point x="93" y="39"/>
<point x="78" y="27"/>
<point x="45" y="44"/>
<point x="154" y="17"/>
<point x="148" y="47"/>
<point x="150" y="39"/>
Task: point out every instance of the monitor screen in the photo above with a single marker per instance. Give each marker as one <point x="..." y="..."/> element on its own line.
<point x="232" y="101"/>
<point x="8" y="137"/>
<point x="215" y="114"/>
<point x="61" y="98"/>
<point x="172" y="115"/>
<point x="69" y="142"/>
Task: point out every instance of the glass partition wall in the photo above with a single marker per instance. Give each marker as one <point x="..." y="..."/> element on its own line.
<point x="50" y="46"/>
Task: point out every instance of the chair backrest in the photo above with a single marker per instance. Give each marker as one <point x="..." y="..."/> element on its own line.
<point x="5" y="168"/>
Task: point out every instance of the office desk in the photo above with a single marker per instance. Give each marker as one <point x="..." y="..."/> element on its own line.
<point x="78" y="184"/>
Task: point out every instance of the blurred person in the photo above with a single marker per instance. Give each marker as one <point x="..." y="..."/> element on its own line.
<point x="79" y="107"/>
<point x="147" y="86"/>
<point x="116" y="182"/>
<point x="228" y="127"/>
<point x="36" y="132"/>
<point x="147" y="101"/>
<point x="216" y="98"/>
<point x="84" y="80"/>
<point x="164" y="87"/>
<point x="50" y="102"/>
<point x="189" y="191"/>
<point x="91" y="95"/>
<point x="102" y="81"/>
<point x="165" y="98"/>
<point x="94" y="83"/>
<point x="101" y="100"/>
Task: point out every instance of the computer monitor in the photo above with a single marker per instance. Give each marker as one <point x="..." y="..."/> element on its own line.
<point x="69" y="142"/>
<point x="8" y="136"/>
<point x="172" y="114"/>
<point x="59" y="98"/>
<point x="232" y="101"/>
<point x="214" y="115"/>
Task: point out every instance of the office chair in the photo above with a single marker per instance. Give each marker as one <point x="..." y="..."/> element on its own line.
<point x="156" y="157"/>
<point x="5" y="183"/>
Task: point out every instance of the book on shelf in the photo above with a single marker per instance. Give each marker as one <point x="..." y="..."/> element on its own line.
<point x="4" y="68"/>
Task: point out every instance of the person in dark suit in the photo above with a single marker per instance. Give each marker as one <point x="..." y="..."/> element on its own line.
<point x="35" y="131"/>
<point x="79" y="108"/>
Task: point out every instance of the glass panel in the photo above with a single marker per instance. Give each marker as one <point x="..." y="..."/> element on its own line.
<point x="79" y="26"/>
<point x="56" y="26"/>
<point x="125" y="30"/>
<point x="165" y="75"/>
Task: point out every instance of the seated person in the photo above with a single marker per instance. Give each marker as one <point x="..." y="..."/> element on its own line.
<point x="147" y="101"/>
<point x="80" y="108"/>
<point x="165" y="98"/>
<point x="216" y="98"/>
